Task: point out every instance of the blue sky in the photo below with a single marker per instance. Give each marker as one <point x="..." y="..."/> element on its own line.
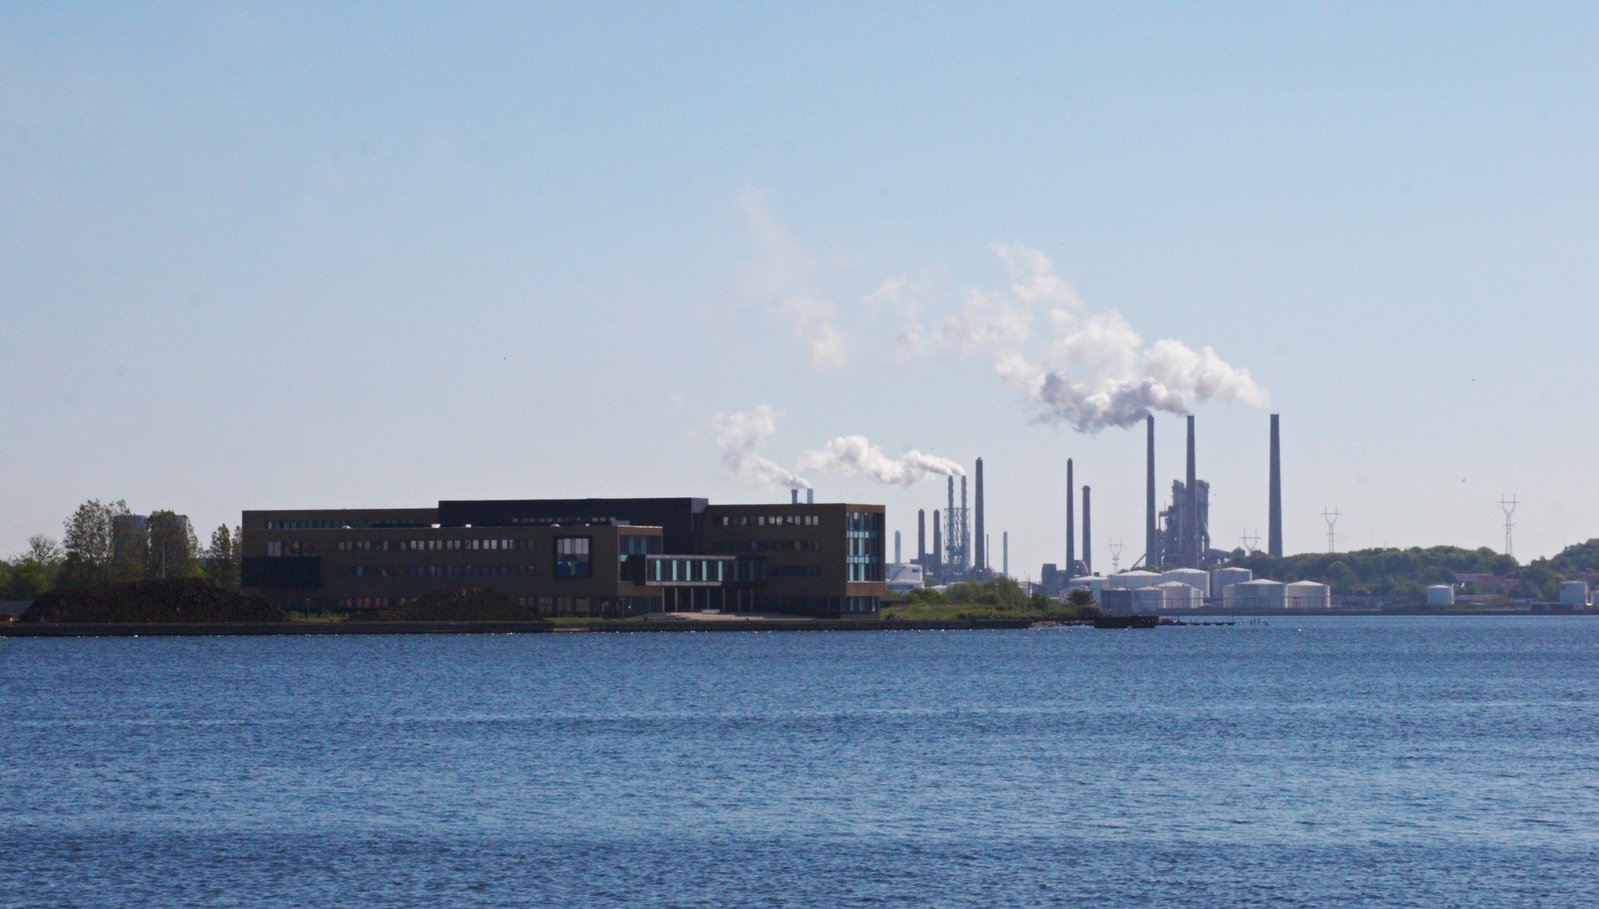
<point x="280" y="255"/>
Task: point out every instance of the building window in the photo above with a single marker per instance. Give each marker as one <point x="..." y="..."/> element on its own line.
<point x="572" y="557"/>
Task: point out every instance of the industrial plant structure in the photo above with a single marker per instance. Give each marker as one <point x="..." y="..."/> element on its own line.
<point x="1182" y="537"/>
<point x="960" y="551"/>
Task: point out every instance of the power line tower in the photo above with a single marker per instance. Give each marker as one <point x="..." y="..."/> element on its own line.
<point x="1331" y="516"/>
<point x="1509" y="509"/>
<point x="1115" y="557"/>
<point x="1250" y="542"/>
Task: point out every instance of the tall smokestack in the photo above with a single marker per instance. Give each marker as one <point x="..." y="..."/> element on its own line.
<point x="1190" y="524"/>
<point x="810" y="496"/>
<point x="1004" y="563"/>
<point x="1088" y="539"/>
<point x="793" y="496"/>
<point x="921" y="537"/>
<point x="1071" y="521"/>
<point x="982" y="538"/>
<point x="1274" y="519"/>
<point x="938" y="546"/>
<point x="952" y="536"/>
<point x="896" y="548"/>
<point x="1151" y="540"/>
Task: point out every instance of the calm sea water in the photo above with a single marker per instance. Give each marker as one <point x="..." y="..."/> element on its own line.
<point x="1363" y="762"/>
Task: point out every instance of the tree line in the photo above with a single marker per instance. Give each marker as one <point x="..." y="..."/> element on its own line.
<point x="1406" y="573"/>
<point x="105" y="543"/>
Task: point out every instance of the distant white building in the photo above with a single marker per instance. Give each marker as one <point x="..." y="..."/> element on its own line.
<point x="903" y="577"/>
<point x="1441" y="595"/>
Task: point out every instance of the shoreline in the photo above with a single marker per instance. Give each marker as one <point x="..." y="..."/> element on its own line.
<point x="260" y="629"/>
<point x="1172" y="618"/>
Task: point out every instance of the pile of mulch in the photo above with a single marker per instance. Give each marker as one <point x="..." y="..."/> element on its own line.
<point x="151" y="602"/>
<point x="474" y="604"/>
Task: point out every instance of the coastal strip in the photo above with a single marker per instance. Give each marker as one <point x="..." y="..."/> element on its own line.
<point x="16" y="630"/>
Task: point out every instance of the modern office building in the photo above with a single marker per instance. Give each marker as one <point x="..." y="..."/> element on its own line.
<point x="583" y="557"/>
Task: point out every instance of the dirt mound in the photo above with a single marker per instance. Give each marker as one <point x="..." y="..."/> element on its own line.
<point x="151" y="602"/>
<point x="470" y="605"/>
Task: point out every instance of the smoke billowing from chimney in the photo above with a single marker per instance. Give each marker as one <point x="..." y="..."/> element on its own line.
<point x="739" y="435"/>
<point x="1093" y="370"/>
<point x="857" y="455"/>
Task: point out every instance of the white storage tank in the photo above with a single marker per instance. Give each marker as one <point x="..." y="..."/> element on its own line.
<point x="1223" y="578"/>
<point x="1132" y="580"/>
<point x="1307" y="595"/>
<point x="1149" y="599"/>
<point x="1260" y="594"/>
<point x="1574" y="593"/>
<point x="1441" y="595"/>
<point x="1178" y="595"/>
<point x="1193" y="577"/>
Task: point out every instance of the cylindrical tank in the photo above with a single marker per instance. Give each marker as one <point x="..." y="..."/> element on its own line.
<point x="1307" y="595"/>
<point x="1574" y="593"/>
<point x="1223" y="578"/>
<point x="1193" y="577"/>
<point x="1440" y="595"/>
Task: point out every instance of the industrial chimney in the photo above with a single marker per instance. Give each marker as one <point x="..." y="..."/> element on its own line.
<point x="921" y="537"/>
<point x="1190" y="522"/>
<point x="1151" y="540"/>
<point x="1274" y="518"/>
<point x="982" y="539"/>
<point x="793" y="496"/>
<point x="810" y="496"/>
<point x="1071" y="520"/>
<point x="938" y="547"/>
<point x="896" y="548"/>
<point x="1088" y="539"/>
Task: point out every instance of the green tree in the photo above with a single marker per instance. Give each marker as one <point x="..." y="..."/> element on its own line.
<point x="1577" y="559"/>
<point x="27" y="579"/>
<point x="130" y="547"/>
<point x="222" y="558"/>
<point x="33" y="572"/>
<point x="171" y="550"/>
<point x="90" y="543"/>
<point x="1537" y="581"/>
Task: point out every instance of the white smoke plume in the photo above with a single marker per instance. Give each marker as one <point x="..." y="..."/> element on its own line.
<point x="857" y="455"/>
<point x="740" y="435"/>
<point x="1094" y="372"/>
